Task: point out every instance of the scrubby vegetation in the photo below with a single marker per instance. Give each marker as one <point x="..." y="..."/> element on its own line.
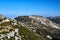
<point x="27" y="35"/>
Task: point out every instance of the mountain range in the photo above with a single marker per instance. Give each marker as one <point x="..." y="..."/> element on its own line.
<point x="29" y="28"/>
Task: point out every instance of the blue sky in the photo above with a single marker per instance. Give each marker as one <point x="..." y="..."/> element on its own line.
<point x="13" y="8"/>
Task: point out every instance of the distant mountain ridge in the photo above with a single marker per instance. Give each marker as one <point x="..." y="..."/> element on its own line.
<point x="55" y="19"/>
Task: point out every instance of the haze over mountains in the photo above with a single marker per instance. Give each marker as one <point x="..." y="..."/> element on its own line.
<point x="28" y="28"/>
<point x="55" y="19"/>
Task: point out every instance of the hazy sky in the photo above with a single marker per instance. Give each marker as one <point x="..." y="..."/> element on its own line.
<point x="13" y="8"/>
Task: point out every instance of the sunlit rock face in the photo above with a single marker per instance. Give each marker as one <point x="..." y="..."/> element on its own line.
<point x="11" y="34"/>
<point x="6" y="20"/>
<point x="49" y="37"/>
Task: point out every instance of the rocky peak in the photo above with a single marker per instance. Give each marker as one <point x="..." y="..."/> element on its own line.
<point x="38" y="19"/>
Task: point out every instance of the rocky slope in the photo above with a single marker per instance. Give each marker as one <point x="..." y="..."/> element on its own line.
<point x="40" y="26"/>
<point x="10" y="29"/>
